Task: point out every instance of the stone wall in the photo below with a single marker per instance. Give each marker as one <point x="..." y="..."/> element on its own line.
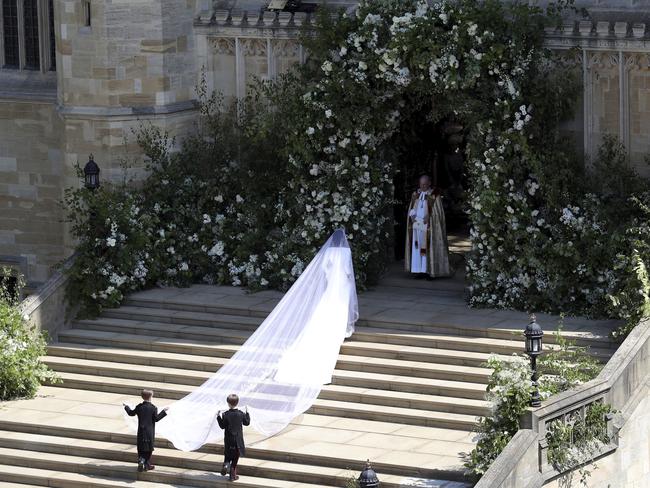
<point x="136" y="53"/>
<point x="614" y="58"/>
<point x="31" y="186"/>
<point x="133" y="65"/>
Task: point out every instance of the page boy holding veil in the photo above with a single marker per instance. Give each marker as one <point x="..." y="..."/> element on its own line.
<point x="148" y="415"/>
<point x="232" y="422"/>
<point x="426" y="234"/>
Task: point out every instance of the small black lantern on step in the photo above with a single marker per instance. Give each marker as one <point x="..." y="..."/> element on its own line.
<point x="534" y="334"/>
<point x="91" y="174"/>
<point x="368" y="477"/>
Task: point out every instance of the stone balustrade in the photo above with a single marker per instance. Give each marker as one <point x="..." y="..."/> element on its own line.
<point x="263" y="19"/>
<point x="622" y="384"/>
<point x="600" y="35"/>
<point x="47" y="309"/>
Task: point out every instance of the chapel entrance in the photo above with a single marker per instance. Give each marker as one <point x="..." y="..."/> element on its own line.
<point x="438" y="149"/>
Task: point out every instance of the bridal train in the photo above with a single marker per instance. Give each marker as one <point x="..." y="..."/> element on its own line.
<point x="279" y="371"/>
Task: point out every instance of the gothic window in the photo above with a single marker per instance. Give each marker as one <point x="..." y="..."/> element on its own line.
<point x="50" y="11"/>
<point x="32" y="60"/>
<point x="27" y="35"/>
<point x="86" y="11"/>
<point x="10" y="31"/>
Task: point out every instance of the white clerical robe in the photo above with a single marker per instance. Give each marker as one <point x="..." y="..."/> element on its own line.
<point x="420" y="216"/>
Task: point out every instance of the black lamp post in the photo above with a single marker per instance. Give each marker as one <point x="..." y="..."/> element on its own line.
<point x="91" y="174"/>
<point x="368" y="477"/>
<point x="534" y="334"/>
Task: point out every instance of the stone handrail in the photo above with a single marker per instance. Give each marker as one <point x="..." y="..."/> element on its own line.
<point x="524" y="462"/>
<point x="46" y="309"/>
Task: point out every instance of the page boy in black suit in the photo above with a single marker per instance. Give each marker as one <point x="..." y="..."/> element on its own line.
<point x="147" y="417"/>
<point x="232" y="422"/>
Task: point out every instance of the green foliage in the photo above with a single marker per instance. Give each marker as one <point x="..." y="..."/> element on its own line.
<point x="21" y="347"/>
<point x="352" y="482"/>
<point x="566" y="365"/>
<point x="576" y="440"/>
<point x="509" y="390"/>
<point x="631" y="296"/>
<point x="113" y="239"/>
<point x="204" y="213"/>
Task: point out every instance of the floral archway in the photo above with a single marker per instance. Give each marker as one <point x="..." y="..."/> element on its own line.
<point x="481" y="62"/>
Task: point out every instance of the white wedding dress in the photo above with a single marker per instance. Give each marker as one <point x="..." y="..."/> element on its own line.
<point x="279" y="371"/>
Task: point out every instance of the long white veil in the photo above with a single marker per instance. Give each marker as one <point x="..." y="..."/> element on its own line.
<point x="279" y="371"/>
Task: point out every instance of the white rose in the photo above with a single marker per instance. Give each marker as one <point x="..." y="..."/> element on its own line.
<point x="328" y="113"/>
<point x="310" y="131"/>
<point x="110" y="242"/>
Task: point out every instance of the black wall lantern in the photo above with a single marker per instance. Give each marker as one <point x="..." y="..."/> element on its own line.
<point x="91" y="174"/>
<point x="534" y="334"/>
<point x="368" y="477"/>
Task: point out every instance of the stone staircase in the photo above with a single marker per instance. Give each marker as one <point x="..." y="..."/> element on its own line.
<point x="405" y="393"/>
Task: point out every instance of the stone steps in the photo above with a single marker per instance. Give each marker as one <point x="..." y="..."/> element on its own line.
<point x="346" y="362"/>
<point x="344" y="404"/>
<point x="120" y="470"/>
<point x="164" y="458"/>
<point x="406" y="393"/>
<point x="62" y="479"/>
<point x="449" y="320"/>
<point x="366" y="380"/>
<point x="88" y="336"/>
<point x="303" y="453"/>
<point x="7" y="484"/>
<point x="199" y="326"/>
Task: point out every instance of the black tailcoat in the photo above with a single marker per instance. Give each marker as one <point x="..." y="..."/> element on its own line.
<point x="147" y="417"/>
<point x="232" y="422"/>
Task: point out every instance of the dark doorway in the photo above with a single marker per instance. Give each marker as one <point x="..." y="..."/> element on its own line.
<point x="435" y="148"/>
<point x="8" y="287"/>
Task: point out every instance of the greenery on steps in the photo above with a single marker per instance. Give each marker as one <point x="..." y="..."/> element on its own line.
<point x="21" y="346"/>
<point x="509" y="389"/>
<point x="352" y="482"/>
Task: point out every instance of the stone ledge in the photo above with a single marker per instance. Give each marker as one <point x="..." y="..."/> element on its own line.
<point x="171" y="108"/>
<point x="28" y="85"/>
<point x="47" y="309"/>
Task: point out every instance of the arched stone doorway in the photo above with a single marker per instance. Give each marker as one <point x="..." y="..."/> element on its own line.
<point x="437" y="148"/>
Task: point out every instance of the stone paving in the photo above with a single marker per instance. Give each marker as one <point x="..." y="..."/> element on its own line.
<point x="399" y="298"/>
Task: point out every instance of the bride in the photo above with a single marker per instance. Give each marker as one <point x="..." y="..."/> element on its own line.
<point x="279" y="371"/>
